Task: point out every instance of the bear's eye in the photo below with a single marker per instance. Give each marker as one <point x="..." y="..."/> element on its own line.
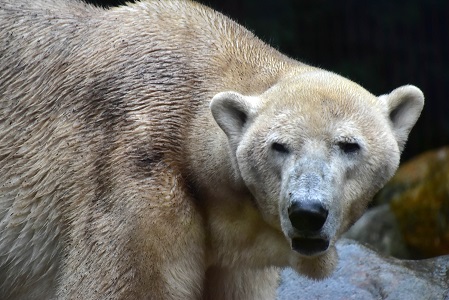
<point x="349" y="147"/>
<point x="279" y="148"/>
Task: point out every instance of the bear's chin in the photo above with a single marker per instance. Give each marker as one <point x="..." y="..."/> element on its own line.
<point x="316" y="267"/>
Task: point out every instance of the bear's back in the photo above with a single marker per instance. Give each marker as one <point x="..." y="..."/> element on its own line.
<point x="89" y="95"/>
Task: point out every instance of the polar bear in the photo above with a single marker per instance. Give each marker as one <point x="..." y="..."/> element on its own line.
<point x="161" y="151"/>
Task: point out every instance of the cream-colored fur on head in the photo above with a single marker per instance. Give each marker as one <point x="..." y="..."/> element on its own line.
<point x="316" y="138"/>
<point x="161" y="151"/>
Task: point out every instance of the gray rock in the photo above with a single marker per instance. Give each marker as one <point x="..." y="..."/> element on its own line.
<point x="379" y="229"/>
<point x="363" y="274"/>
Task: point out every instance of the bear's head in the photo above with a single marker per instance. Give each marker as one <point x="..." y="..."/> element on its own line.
<point x="313" y="150"/>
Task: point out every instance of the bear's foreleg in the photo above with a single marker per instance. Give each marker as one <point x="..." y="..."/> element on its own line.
<point x="148" y="246"/>
<point x="241" y="284"/>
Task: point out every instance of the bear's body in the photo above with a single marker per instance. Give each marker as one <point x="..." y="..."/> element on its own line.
<point x="121" y="179"/>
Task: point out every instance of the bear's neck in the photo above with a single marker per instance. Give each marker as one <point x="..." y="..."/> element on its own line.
<point x="208" y="159"/>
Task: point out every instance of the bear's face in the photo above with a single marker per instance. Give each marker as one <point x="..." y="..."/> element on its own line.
<point x="314" y="149"/>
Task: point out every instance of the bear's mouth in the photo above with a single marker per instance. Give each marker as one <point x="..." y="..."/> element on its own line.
<point x="310" y="246"/>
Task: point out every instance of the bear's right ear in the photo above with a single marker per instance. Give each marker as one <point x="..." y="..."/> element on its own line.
<point x="232" y="111"/>
<point x="403" y="106"/>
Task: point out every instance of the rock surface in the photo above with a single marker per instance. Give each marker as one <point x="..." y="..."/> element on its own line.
<point x="410" y="217"/>
<point x="422" y="210"/>
<point x="379" y="229"/>
<point x="363" y="274"/>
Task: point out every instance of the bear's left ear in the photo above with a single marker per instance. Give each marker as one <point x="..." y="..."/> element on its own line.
<point x="232" y="111"/>
<point x="404" y="105"/>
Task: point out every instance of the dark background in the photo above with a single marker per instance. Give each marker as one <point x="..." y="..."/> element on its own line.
<point x="379" y="44"/>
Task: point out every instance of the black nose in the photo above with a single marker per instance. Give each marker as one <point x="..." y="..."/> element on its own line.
<point x="308" y="217"/>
